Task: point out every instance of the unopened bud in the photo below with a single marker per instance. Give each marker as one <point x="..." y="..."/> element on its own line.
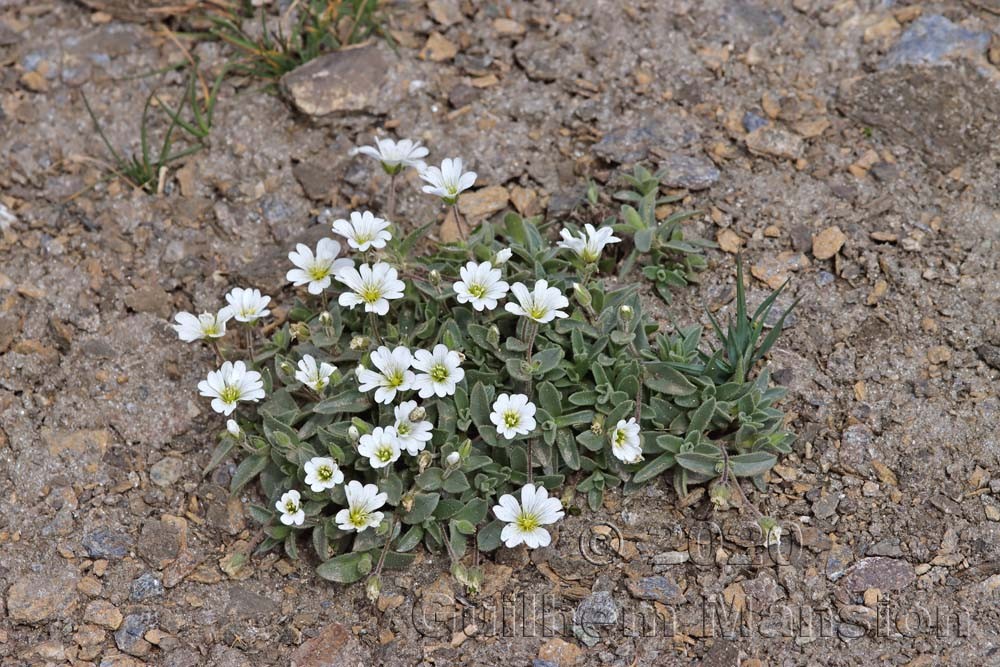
<point x="406" y="502"/>
<point x="417" y="414"/>
<point x="454" y="458"/>
<point x="353" y="434"/>
<point x="286" y="367"/>
<point x="626" y="312"/>
<point x="424" y="460"/>
<point x="325" y="318"/>
<point x="582" y="295"/>
<point x="434" y="277"/>
<point x="493" y="335"/>
<point x="502" y="256"/>
<point x="461" y="356"/>
<point x="234" y="428"/>
<point x="359" y="343"/>
<point x="465" y="449"/>
<point x="373" y="587"/>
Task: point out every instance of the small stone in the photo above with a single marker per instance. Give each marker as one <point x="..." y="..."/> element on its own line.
<point x="855" y="445"/>
<point x="103" y="613"/>
<point x="775" y="142"/>
<point x="145" y="587"/>
<point x="525" y="200"/>
<point x="828" y="242"/>
<point x="689" y="172"/>
<point x="774" y="270"/>
<point x="89" y="635"/>
<point x="129" y="637"/>
<point x="159" y="542"/>
<point x="872" y="596"/>
<point x="933" y="39"/>
<point x="671" y="558"/>
<point x="838" y="559"/>
<point x="34" y="82"/>
<point x="483" y="203"/>
<point x="508" y="27"/>
<point x="659" y="588"/>
<point x="886" y="574"/>
<point x="939" y="354"/>
<point x="364" y="79"/>
<point x="729" y="241"/>
<point x="90" y="586"/>
<point x="560" y="652"/>
<point x="39" y="597"/>
<point x="445" y="12"/>
<point x="752" y="121"/>
<point x="150" y="299"/>
<point x="885" y="28"/>
<point x="104" y="543"/>
<point x="438" y="48"/>
<point x="166" y="471"/>
<point x="811" y="128"/>
<point x="334" y="646"/>
<point x="826" y="506"/>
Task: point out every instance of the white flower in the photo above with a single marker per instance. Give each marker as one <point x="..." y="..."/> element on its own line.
<point x="525" y="520"/>
<point x="233" y="428"/>
<point x="453" y="458"/>
<point x="513" y="415"/>
<point x="394" y="155"/>
<point x="247" y="305"/>
<point x="322" y="473"/>
<point x="207" y="325"/>
<point x="313" y="375"/>
<point x="373" y="286"/>
<point x="381" y="447"/>
<point x="480" y="285"/>
<point x="590" y="244"/>
<point x="362" y="501"/>
<point x="541" y="305"/>
<point x="316" y="270"/>
<point x="231" y="384"/>
<point x="625" y="444"/>
<point x="449" y="181"/>
<point x="363" y="231"/>
<point x="441" y="371"/>
<point x="502" y="256"/>
<point x="394" y="373"/>
<point x="290" y="507"/>
<point x="412" y="436"/>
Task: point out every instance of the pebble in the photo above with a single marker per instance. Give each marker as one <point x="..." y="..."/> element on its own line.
<point x="659" y="588"/>
<point x="828" y="242"/>
<point x="752" y="121"/>
<point x="150" y="299"/>
<point x="595" y="611"/>
<point x="774" y="270"/>
<point x="483" y="203"/>
<point x="145" y="586"/>
<point x="39" y="597"/>
<point x="729" y="241"/>
<point x="559" y="652"/>
<point x="775" y="142"/>
<point x="166" y="471"/>
<point x="438" y="48"/>
<point x="931" y="40"/>
<point x="103" y="613"/>
<point x="689" y="172"/>
<point x="105" y="543"/>
<point x="129" y="637"/>
<point x="885" y="574"/>
<point x="342" y="82"/>
<point x="855" y="443"/>
<point x="334" y="646"/>
<point x="671" y="558"/>
<point x="838" y="559"/>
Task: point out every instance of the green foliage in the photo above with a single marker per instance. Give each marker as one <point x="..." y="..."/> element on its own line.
<point x="705" y="412"/>
<point x="307" y="30"/>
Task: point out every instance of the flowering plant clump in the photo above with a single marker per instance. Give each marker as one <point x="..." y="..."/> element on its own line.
<point x="480" y="386"/>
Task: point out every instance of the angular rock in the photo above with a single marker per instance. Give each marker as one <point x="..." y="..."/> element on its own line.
<point x="855" y="445"/>
<point x="334" y="646"/>
<point x="103" y="613"/>
<point x="150" y="299"/>
<point x="632" y="142"/>
<point x="159" y="542"/>
<point x="108" y="544"/>
<point x="166" y="471"/>
<point x="933" y="39"/>
<point x="483" y="203"/>
<point x="128" y="638"/>
<point x="689" y="172"/>
<point x="828" y="242"/>
<point x="367" y="79"/>
<point x="661" y="589"/>
<point x="39" y="597"/>
<point x="145" y="586"/>
<point x="775" y="142"/>
<point x="885" y="574"/>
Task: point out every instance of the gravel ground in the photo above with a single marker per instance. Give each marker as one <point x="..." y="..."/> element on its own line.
<point x="847" y="144"/>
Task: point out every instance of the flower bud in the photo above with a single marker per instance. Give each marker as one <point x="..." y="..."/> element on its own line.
<point x="465" y="449"/>
<point x="493" y="335"/>
<point x="417" y="414"/>
<point x="325" y="318"/>
<point x="359" y="343"/>
<point x="424" y="460"/>
<point x="502" y="256"/>
<point x="406" y="502"/>
<point x="300" y="331"/>
<point x="461" y="356"/>
<point x="626" y="312"/>
<point x="287" y="368"/>
<point x="597" y="426"/>
<point x="582" y="295"/>
<point x="771" y="530"/>
<point x="434" y="277"/>
<point x="720" y="494"/>
<point x="353" y="434"/>
<point x="454" y="458"/>
<point x="373" y="587"/>
<point x="234" y="428"/>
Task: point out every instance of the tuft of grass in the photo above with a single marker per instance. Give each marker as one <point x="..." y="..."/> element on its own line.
<point x="307" y="29"/>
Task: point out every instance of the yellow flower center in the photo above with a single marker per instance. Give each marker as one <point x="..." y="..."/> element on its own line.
<point x="230" y="394"/>
<point x="318" y="272"/>
<point x="527" y="522"/>
<point x="511" y="418"/>
<point x="477" y="290"/>
<point x="403" y="428"/>
<point x="620" y="437"/>
<point x="291" y="507"/>
<point x="384" y="453"/>
<point x="394" y="379"/>
<point x="370" y="294"/>
<point x="357" y="517"/>
<point x="439" y="373"/>
<point x="324" y="473"/>
<point x="536" y="312"/>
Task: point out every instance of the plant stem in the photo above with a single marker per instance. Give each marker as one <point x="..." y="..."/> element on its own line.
<point x="375" y="331"/>
<point x="532" y="334"/>
<point x="218" y="350"/>
<point x="249" y="332"/>
<point x="460" y="221"/>
<point x="385" y="548"/>
<point x="391" y="208"/>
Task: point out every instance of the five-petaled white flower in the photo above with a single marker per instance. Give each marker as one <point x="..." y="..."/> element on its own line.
<point x="372" y="286"/>
<point x="589" y="244"/>
<point x="394" y="155"/>
<point x="207" y="325"/>
<point x="322" y="473"/>
<point x="231" y="384"/>
<point x="393" y="375"/>
<point x="318" y="269"/>
<point x="441" y="371"/>
<point x="449" y="180"/>
<point x="481" y="285"/>
<point x="541" y="304"/>
<point x="313" y="375"/>
<point x="363" y="231"/>
<point x="362" y="501"/>
<point x="625" y="444"/>
<point x="513" y="415"/>
<point x="380" y="447"/>
<point x="247" y="305"/>
<point x="290" y="507"/>
<point x="525" y="519"/>
<point x="411" y="435"/>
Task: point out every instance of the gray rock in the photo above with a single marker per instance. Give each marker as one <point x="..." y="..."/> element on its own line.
<point x="104" y="543"/>
<point x="544" y="59"/>
<point x="146" y="586"/>
<point x="931" y="40"/>
<point x="128" y="637"/>
<point x="631" y="142"/>
<point x="159" y="542"/>
<point x="752" y="121"/>
<point x="826" y="506"/>
<point x="885" y="574"/>
<point x="593" y="612"/>
<point x="166" y="471"/>
<point x="837" y="561"/>
<point x="40" y="597"/>
<point x="661" y="589"/>
<point x="990" y="354"/>
<point x="855" y="448"/>
<point x="887" y="547"/>
<point x="775" y="142"/>
<point x="690" y="172"/>
<point x="334" y="646"/>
